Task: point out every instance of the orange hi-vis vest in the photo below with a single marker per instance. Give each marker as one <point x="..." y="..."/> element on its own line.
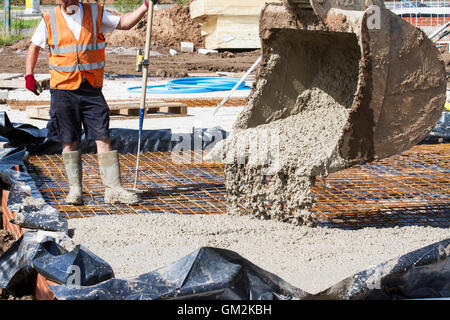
<point x="71" y="60"/>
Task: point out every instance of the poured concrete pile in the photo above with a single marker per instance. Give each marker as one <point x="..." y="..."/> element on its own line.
<point x="310" y="259"/>
<point x="303" y="142"/>
<point x="331" y="92"/>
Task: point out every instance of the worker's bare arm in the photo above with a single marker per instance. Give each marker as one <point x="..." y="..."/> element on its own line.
<point x="31" y="58"/>
<point x="129" y="20"/>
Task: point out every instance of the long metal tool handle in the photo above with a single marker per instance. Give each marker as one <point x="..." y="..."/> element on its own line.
<point x="439" y="33"/>
<point x="144" y="84"/>
<point x="237" y="84"/>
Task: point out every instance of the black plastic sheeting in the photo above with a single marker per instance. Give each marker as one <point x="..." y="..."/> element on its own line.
<point x="78" y="267"/>
<point x="424" y="273"/>
<point x="20" y="134"/>
<point x="211" y="273"/>
<point x="207" y="273"/>
<point x="38" y="252"/>
<point x="35" y="141"/>
<point x="30" y="208"/>
<point x="441" y="132"/>
<point x="15" y="263"/>
<point x="11" y="157"/>
<point x="219" y="274"/>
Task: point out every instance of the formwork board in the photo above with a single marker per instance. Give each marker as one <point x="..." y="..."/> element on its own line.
<point x="411" y="188"/>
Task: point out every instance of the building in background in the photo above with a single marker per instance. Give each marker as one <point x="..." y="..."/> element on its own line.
<point x="234" y="24"/>
<point x="229" y="24"/>
<point x="428" y="15"/>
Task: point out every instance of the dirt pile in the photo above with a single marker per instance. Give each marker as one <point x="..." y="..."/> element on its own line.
<point x="4" y="295"/>
<point x="6" y="240"/>
<point x="22" y="44"/>
<point x="170" y="27"/>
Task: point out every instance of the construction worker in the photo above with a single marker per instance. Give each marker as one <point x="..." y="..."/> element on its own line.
<point x="74" y="33"/>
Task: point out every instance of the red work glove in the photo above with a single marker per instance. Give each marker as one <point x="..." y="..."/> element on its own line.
<point x="30" y="84"/>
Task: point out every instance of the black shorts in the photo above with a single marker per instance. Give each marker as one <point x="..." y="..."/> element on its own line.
<point x="72" y="110"/>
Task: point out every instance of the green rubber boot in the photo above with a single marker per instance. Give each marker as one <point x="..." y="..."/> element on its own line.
<point x="110" y="174"/>
<point x="72" y="162"/>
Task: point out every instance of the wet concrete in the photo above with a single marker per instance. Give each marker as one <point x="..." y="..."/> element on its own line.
<point x="331" y="93"/>
<point x="306" y="126"/>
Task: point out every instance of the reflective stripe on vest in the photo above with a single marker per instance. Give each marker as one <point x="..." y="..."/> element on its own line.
<point x="78" y="67"/>
<point x="81" y="47"/>
<point x="94" y="14"/>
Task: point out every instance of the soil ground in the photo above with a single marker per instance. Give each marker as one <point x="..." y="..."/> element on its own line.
<point x="6" y="240"/>
<point x="170" y="27"/>
<point x="122" y="60"/>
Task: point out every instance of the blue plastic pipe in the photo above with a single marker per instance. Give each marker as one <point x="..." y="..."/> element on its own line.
<point x="193" y="85"/>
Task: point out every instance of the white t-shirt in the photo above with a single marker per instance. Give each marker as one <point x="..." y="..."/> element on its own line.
<point x="74" y="21"/>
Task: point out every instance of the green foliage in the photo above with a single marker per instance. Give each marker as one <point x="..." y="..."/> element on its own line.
<point x="18" y="24"/>
<point x="17" y="30"/>
<point x="10" y="38"/>
<point x="125" y="6"/>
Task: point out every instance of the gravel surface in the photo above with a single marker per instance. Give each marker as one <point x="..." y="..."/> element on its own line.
<point x="312" y="259"/>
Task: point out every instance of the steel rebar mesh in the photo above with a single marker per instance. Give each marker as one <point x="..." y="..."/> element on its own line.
<point x="168" y="187"/>
<point x="411" y="188"/>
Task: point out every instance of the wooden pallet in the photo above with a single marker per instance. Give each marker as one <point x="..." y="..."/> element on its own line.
<point x="17" y="81"/>
<point x="22" y="105"/>
<point x="153" y="107"/>
<point x="123" y="110"/>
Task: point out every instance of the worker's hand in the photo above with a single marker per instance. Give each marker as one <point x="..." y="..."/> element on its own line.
<point x="30" y="84"/>
<point x="153" y="1"/>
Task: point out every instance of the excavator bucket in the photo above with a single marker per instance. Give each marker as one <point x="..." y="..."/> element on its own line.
<point x="340" y="83"/>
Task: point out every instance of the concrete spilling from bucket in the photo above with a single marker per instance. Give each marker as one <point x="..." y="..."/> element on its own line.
<point x="331" y="92"/>
<point x="273" y="156"/>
